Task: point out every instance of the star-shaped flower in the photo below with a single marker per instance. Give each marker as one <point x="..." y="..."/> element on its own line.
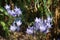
<point x="13" y="28"/>
<point x="7" y="7"/>
<point x="29" y="31"/>
<point x="18" y="23"/>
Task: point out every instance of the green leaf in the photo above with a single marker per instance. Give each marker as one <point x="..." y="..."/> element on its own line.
<point x="1" y="9"/>
<point x="6" y="13"/>
<point x="2" y="23"/>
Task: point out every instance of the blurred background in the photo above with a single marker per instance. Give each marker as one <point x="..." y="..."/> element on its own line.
<point x="29" y="19"/>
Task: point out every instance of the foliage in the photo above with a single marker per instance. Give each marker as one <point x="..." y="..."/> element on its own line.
<point x="5" y="20"/>
<point x="30" y="10"/>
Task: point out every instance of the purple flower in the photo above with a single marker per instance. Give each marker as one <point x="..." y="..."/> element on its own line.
<point x="37" y="20"/>
<point x="18" y="28"/>
<point x="37" y="26"/>
<point x="15" y="12"/>
<point x="18" y="11"/>
<point x="38" y="23"/>
<point x="19" y="23"/>
<point x="45" y="21"/>
<point x="29" y="31"/>
<point x="16" y="25"/>
<point x="49" y="19"/>
<point x="46" y="31"/>
<point x="7" y="7"/>
<point x="42" y="25"/>
<point x="49" y="25"/>
<point x="43" y="28"/>
<point x="12" y="13"/>
<point x="13" y="28"/>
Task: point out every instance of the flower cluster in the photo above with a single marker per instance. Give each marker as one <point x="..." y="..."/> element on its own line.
<point x="15" y="12"/>
<point x="16" y="25"/>
<point x="41" y="25"/>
